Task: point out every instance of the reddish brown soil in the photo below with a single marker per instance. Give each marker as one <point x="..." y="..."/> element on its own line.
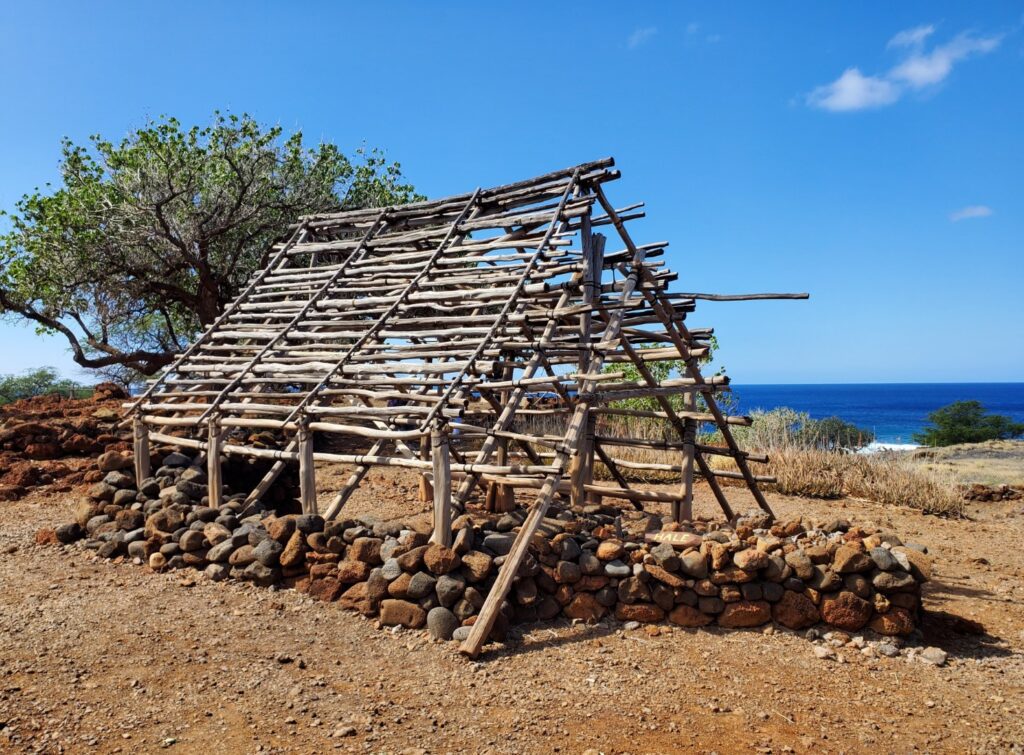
<point x="53" y="440"/>
<point x="98" y="657"/>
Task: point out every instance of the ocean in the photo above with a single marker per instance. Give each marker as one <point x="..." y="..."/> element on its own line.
<point x="893" y="411"/>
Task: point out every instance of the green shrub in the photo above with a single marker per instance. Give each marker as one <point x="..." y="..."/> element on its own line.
<point x="967" y="422"/>
<point x="37" y="382"/>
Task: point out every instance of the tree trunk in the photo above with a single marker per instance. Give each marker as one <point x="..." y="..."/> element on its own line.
<point x="208" y="296"/>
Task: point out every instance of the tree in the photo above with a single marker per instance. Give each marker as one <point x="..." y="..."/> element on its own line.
<point x="35" y="382"/>
<point x="146" y="240"/>
<point x="967" y="422"/>
<point x="833" y="433"/>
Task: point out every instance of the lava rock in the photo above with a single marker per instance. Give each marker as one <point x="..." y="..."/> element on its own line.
<point x="849" y="560"/>
<point x="687" y="616"/>
<point x="449" y="589"/>
<point x="420" y="585"/>
<point x="112" y="461"/>
<point x="441" y="623"/>
<point x="499" y="543"/>
<point x="268" y="553"/>
<point x="441" y="559"/>
<point x="476" y="566"/>
<point x="402" y="613"/>
<point x="845" y="610"/>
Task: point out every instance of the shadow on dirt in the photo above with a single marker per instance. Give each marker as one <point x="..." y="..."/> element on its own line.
<point x="961" y="637"/>
<point x="955" y="588"/>
<point x="539" y="639"/>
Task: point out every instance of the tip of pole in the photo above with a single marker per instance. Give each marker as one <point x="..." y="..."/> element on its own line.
<point x="468" y="650"/>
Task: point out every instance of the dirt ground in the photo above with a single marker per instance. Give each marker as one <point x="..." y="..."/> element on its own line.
<point x="98" y="657"/>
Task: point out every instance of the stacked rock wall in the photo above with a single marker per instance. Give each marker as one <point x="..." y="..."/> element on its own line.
<point x="581" y="565"/>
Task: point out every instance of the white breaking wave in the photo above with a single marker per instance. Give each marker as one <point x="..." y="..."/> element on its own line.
<point x="875" y="447"/>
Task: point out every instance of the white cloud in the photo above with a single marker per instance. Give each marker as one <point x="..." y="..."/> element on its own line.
<point x="924" y="69"/>
<point x="918" y="69"/>
<point x="853" y="91"/>
<point x="912" y="37"/>
<point x="971" y="211"/>
<point x="640" y="36"/>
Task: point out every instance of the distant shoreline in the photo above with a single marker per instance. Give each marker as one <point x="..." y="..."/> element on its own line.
<point x="892" y="411"/>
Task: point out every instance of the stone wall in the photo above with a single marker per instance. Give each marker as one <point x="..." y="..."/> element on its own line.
<point x="581" y="565"/>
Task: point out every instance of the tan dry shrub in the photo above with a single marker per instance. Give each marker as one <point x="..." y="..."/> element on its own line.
<point x="800" y="469"/>
<point x="809" y="472"/>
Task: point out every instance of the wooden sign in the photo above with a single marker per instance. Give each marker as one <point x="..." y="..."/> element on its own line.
<point x="680" y="540"/>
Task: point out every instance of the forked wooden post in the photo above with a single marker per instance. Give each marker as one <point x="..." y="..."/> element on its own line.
<point x="214" y="476"/>
<point x="441" y="461"/>
<point x="141" y="450"/>
<point x="307" y="470"/>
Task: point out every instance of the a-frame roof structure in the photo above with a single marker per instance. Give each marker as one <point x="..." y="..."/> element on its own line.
<point x="440" y="335"/>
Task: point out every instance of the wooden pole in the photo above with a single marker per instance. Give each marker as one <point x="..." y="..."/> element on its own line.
<point x="585" y="456"/>
<point x="674" y="328"/>
<point x="307" y="470"/>
<point x="441" y="460"/>
<point x="351" y="484"/>
<point x="214" y="477"/>
<point x="271" y="476"/>
<point x="141" y="450"/>
<point x="488" y="613"/>
<point x="426" y="487"/>
<point x="683" y="511"/>
<point x="500" y="499"/>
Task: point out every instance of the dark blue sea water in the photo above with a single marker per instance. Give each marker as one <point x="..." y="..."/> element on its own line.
<point x="894" y="411"/>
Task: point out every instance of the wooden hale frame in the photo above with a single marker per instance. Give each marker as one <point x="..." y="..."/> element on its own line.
<point x="457" y="325"/>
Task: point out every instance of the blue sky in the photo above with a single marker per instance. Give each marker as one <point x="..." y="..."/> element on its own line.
<point x="870" y="154"/>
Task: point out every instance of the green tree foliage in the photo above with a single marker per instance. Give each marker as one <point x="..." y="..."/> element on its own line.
<point x="967" y="422"/>
<point x="664" y="370"/>
<point x="832" y="433"/>
<point x="145" y="240"/>
<point x="37" y="382"/>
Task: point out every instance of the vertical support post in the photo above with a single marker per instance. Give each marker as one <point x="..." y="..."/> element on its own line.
<point x="501" y="498"/>
<point x="214" y="478"/>
<point x="582" y="467"/>
<point x="307" y="470"/>
<point x="441" y="461"/>
<point x="140" y="436"/>
<point x="426" y="488"/>
<point x="682" y="511"/>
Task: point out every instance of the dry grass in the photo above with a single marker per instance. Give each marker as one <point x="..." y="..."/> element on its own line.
<point x="994" y="462"/>
<point x="890" y="478"/>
